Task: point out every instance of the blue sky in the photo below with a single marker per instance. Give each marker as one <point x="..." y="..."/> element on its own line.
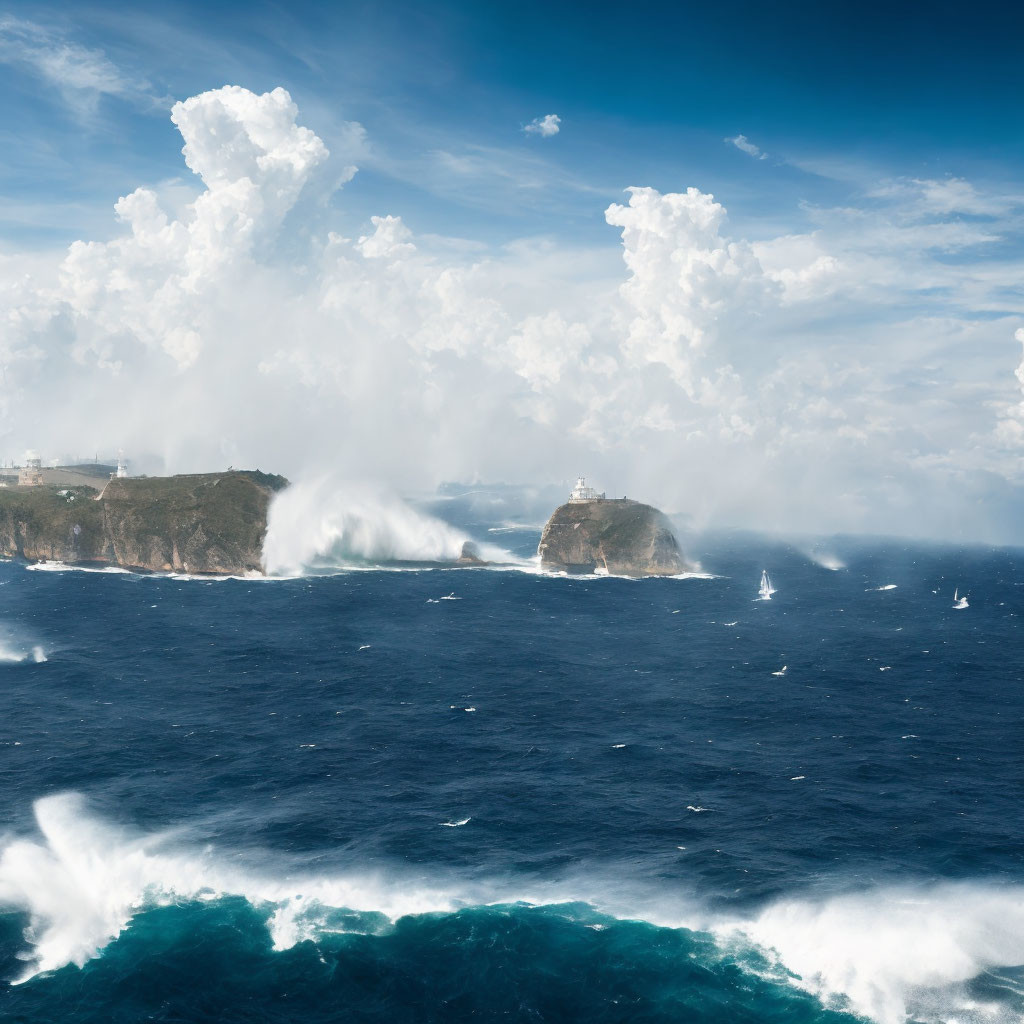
<point x="646" y="95"/>
<point x="814" y="292"/>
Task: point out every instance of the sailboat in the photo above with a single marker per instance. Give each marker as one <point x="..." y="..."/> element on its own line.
<point x="959" y="603"/>
<point x="766" y="590"/>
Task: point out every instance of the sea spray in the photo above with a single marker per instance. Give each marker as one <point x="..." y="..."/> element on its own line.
<point x="83" y="879"/>
<point x="894" y="951"/>
<point x="825" y="557"/>
<point x="329" y="523"/>
<point x="885" y="952"/>
<point x="14" y="652"/>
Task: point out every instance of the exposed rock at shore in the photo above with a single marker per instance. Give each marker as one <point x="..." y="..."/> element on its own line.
<point x="199" y="523"/>
<point x="470" y="555"/>
<point x="622" y="537"/>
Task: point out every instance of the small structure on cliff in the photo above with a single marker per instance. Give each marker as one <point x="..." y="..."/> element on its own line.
<point x="31" y="474"/>
<point x="122" y="467"/>
<point x="581" y="492"/>
<point x="610" y="535"/>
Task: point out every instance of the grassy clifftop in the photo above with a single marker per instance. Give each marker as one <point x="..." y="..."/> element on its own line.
<point x="42" y="523"/>
<point x="202" y="523"/>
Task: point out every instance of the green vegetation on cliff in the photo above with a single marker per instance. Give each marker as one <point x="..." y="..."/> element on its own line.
<point x="200" y="523"/>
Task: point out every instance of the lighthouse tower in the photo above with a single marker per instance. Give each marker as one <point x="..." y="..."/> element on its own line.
<point x="122" y="465"/>
<point x="581" y="492"/>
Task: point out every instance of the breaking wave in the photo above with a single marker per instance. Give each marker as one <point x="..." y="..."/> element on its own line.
<point x="83" y="880"/>
<point x="326" y="523"/>
<point x="13" y="653"/>
<point x="882" y="953"/>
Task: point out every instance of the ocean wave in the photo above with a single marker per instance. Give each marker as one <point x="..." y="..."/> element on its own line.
<point x="883" y="953"/>
<point x="11" y="656"/>
<point x="54" y="566"/>
<point x="328" y="523"/>
<point x="895" y="952"/>
<point x="15" y="651"/>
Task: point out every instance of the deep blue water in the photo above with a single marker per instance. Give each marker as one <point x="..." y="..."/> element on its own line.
<point x="241" y="800"/>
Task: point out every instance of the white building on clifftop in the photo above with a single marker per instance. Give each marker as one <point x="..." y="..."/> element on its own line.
<point x="31" y="474"/>
<point x="581" y="492"/>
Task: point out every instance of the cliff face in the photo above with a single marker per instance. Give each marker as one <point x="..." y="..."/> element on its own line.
<point x="203" y="523"/>
<point x="625" y="537"/>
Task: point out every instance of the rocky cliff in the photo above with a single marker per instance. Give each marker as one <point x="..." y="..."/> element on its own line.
<point x="202" y="523"/>
<point x="624" y="537"/>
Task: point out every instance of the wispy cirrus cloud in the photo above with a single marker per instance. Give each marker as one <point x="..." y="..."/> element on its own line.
<point x="741" y="142"/>
<point x="81" y="74"/>
<point x="945" y="196"/>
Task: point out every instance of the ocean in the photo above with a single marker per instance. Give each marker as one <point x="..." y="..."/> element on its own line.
<point x="391" y="795"/>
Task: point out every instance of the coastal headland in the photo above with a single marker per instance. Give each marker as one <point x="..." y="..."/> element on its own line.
<point x="205" y="523"/>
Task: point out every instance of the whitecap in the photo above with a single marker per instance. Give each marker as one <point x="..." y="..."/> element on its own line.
<point x="889" y="953"/>
<point x="54" y="566"/>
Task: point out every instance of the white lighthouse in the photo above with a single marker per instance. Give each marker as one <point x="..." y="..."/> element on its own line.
<point x="122" y="465"/>
<point x="581" y="492"/>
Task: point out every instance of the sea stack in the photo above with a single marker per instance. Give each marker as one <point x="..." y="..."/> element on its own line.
<point x="593" y="533"/>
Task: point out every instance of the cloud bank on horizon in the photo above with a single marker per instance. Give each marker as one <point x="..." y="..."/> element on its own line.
<point x="803" y="381"/>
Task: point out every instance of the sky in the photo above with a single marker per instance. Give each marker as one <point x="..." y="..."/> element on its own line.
<point x="758" y="264"/>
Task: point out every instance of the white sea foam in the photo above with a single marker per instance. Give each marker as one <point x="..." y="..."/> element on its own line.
<point x="52" y="566"/>
<point x="891" y="952"/>
<point x="14" y="652"/>
<point x="898" y="952"/>
<point x="887" y="586"/>
<point x="83" y="880"/>
<point x="327" y="522"/>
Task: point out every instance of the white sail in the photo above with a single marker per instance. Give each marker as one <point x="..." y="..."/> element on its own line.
<point x="959" y="603"/>
<point x="766" y="590"/>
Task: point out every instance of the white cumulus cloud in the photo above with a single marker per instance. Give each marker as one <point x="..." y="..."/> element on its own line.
<point x="836" y="378"/>
<point x="545" y="127"/>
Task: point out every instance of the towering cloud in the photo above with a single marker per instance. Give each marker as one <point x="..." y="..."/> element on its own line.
<point x="780" y="382"/>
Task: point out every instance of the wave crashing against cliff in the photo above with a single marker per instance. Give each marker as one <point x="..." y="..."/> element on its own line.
<point x="329" y="524"/>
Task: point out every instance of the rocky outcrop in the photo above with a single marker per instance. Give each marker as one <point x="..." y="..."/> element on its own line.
<point x="201" y="523"/>
<point x="470" y="555"/>
<point x="622" y="537"/>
